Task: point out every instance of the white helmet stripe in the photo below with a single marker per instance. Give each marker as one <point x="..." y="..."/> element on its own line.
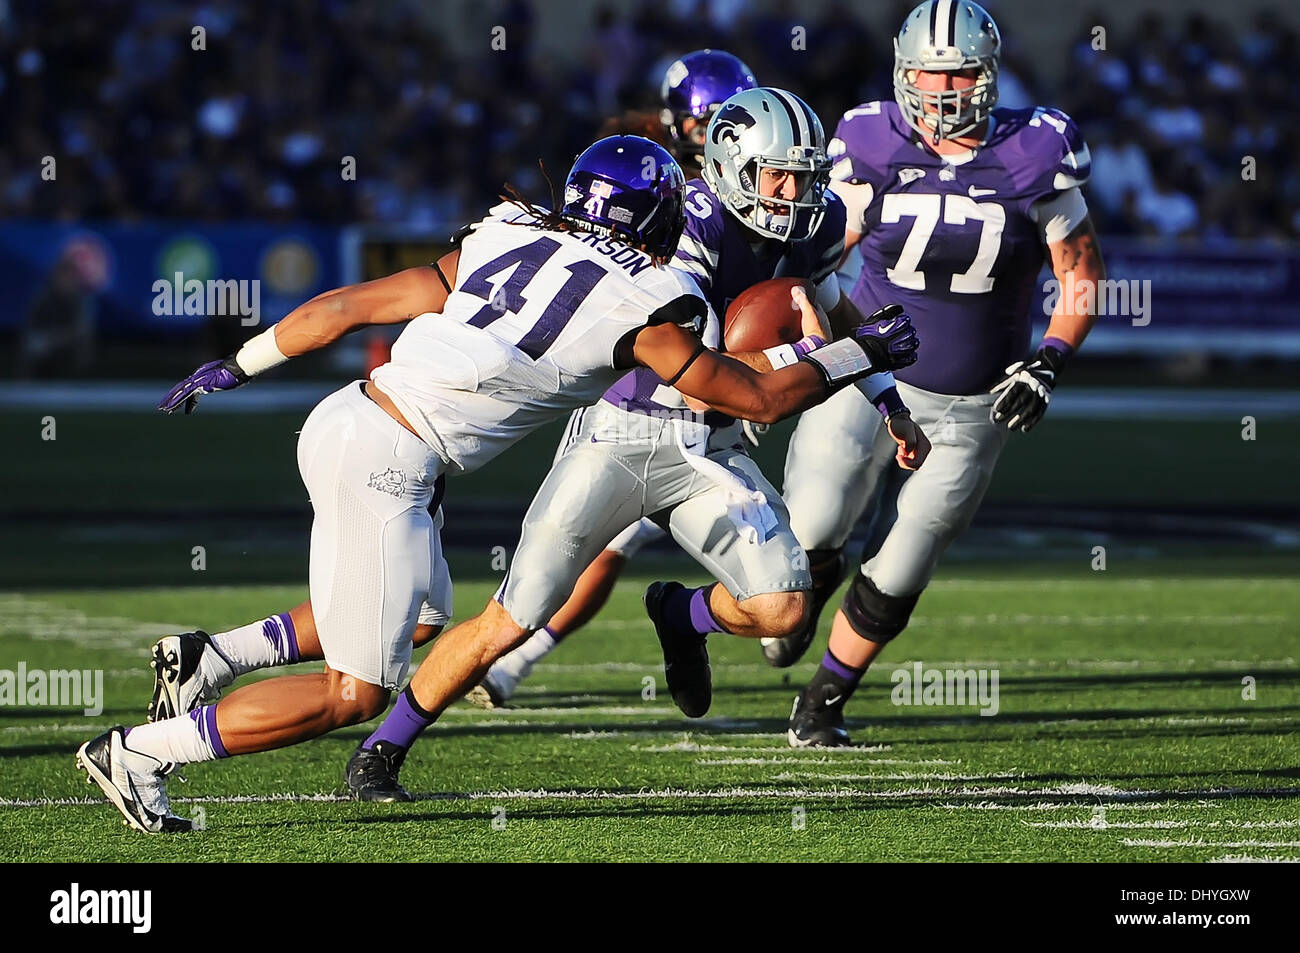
<point x="945" y="24"/>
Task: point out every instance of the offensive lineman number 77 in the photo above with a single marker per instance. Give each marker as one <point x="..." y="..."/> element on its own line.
<point x="924" y="209"/>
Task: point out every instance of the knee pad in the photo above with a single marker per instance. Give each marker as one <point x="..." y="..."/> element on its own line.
<point x="873" y="615"/>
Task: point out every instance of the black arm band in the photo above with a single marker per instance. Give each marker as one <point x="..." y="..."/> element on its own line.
<point x="699" y="349"/>
<point x="441" y="277"/>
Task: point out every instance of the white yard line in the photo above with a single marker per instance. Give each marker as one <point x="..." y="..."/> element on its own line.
<point x="1161" y="825"/>
<point x="710" y="794"/>
<point x="1129" y="842"/>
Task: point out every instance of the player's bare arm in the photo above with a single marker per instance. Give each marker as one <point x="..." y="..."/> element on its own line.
<point x="736" y="389"/>
<point x="1077" y="259"/>
<point x="726" y="384"/>
<point x="320" y="322"/>
<point x="1026" y="391"/>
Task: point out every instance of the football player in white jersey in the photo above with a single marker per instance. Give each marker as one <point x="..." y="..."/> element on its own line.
<point x="643" y="452"/>
<point x="534" y="314"/>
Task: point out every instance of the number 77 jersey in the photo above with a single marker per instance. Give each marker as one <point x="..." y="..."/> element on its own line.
<point x="955" y="239"/>
<point x="539" y="322"/>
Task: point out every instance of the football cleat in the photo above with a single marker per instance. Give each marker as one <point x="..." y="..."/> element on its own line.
<point x="372" y="773"/>
<point x="180" y="684"/>
<point x="686" y="656"/>
<point x="817" y="723"/>
<point x="133" y="782"/>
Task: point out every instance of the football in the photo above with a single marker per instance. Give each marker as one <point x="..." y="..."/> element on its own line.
<point x="764" y="316"/>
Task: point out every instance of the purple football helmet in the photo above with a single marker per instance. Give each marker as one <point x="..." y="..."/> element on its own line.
<point x="694" y="87"/>
<point x="630" y="188"/>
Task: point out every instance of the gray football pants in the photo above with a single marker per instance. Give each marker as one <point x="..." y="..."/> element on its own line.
<point x="618" y="467"/>
<point x="841" y="457"/>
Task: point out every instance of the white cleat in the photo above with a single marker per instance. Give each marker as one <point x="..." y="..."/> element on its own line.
<point x="135" y="783"/>
<point x="181" y="681"/>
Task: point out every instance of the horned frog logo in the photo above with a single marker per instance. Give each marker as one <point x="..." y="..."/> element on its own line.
<point x="390" y="481"/>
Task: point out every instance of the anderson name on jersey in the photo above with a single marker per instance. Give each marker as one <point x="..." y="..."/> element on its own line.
<point x="719" y="253"/>
<point x="539" y="323"/>
<point x="956" y="240"/>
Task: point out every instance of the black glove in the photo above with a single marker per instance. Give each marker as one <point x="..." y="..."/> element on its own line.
<point x="1027" y="390"/>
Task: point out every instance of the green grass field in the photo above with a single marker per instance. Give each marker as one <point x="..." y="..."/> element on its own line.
<point x="1122" y="734"/>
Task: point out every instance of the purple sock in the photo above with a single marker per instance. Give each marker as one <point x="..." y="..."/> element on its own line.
<point x="689" y="609"/>
<point x="834" y="679"/>
<point x="403" y="724"/>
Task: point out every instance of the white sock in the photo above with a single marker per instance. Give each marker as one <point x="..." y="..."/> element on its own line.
<point x="538" y="646"/>
<point x="182" y="740"/>
<point x="261" y="644"/>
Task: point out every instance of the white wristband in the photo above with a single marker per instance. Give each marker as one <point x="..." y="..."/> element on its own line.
<point x="260" y="353"/>
<point x="783" y="355"/>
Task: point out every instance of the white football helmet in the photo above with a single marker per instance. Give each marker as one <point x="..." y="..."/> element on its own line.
<point x="942" y="35"/>
<point x="767" y="128"/>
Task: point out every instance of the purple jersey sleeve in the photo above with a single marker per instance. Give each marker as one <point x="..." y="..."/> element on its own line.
<point x="700" y="246"/>
<point x="865" y="143"/>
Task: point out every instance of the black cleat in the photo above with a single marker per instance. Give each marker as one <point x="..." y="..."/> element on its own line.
<point x="817" y="724"/>
<point x="372" y="773"/>
<point x="827" y="573"/>
<point x="179" y="685"/>
<point x="134" y="783"/>
<point x="686" y="656"/>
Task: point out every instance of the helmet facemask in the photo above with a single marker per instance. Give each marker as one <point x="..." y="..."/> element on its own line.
<point x="947" y="36"/>
<point x="776" y="217"/>
<point x="956" y="112"/>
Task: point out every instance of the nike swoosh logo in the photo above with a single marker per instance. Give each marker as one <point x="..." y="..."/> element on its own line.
<point x="886" y="328"/>
<point x="831" y="701"/>
<point x="135" y="797"/>
<point x="976" y="193"/>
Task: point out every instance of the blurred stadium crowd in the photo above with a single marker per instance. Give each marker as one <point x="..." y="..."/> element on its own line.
<point x="256" y="125"/>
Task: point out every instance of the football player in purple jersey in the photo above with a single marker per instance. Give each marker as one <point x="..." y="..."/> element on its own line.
<point x="952" y="206"/>
<point x="726" y="250"/>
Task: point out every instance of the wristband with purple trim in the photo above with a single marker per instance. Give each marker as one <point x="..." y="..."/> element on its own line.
<point x="783" y="355"/>
<point x="1055" y="361"/>
<point x="889" y="403"/>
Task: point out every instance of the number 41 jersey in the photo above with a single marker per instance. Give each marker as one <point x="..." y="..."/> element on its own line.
<point x="531" y="330"/>
<point x="955" y="240"/>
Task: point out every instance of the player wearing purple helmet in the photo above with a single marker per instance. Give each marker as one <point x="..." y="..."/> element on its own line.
<point x="646" y="452"/>
<point x="534" y="314"/>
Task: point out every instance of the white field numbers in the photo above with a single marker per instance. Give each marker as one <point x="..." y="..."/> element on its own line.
<point x="924" y="210"/>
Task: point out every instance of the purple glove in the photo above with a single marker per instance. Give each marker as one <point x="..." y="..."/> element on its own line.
<point x="888" y="338"/>
<point x="212" y="376"/>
